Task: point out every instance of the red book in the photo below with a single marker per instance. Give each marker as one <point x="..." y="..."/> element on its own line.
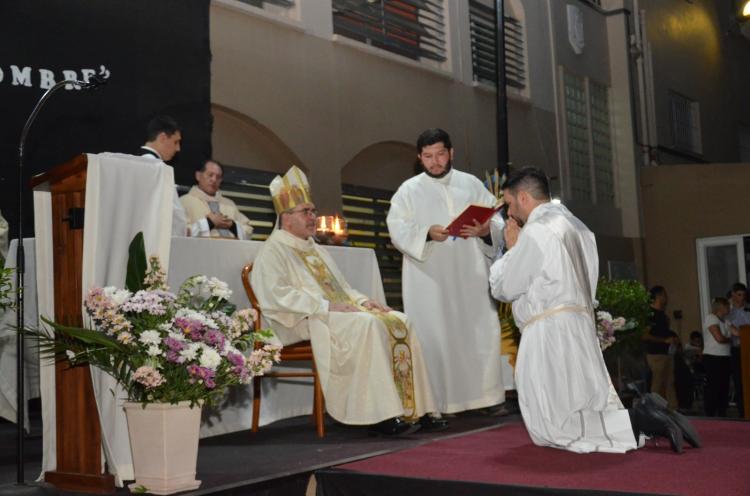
<point x="468" y="216"/>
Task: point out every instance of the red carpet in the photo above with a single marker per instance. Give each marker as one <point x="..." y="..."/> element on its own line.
<point x="505" y="455"/>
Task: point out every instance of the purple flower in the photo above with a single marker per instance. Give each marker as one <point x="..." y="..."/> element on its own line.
<point x="173" y="344"/>
<point x="236" y="359"/>
<point x="202" y="375"/>
<point x="242" y="372"/>
<point x="214" y="338"/>
<point x="152" y="302"/>
<point x="191" y="328"/>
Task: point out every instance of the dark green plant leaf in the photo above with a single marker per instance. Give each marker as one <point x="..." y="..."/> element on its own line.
<point x="137" y="264"/>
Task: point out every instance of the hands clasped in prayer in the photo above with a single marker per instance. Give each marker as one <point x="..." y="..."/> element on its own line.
<point x="220" y="221"/>
<point x="511" y="232"/>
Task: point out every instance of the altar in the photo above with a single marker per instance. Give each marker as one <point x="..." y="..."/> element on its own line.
<point x="223" y="259"/>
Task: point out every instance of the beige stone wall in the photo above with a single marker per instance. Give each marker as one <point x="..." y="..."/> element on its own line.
<point x="285" y="91"/>
<point x="681" y="204"/>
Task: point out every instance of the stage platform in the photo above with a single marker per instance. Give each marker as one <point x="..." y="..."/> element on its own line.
<point x="276" y="461"/>
<point x="479" y="455"/>
<point x="503" y="461"/>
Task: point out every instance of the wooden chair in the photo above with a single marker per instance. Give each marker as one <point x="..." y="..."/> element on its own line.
<point x="297" y="352"/>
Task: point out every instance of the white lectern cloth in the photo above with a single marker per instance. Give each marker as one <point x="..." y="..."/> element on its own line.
<point x="124" y="195"/>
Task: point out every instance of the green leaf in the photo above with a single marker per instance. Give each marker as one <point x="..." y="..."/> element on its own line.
<point x="137" y="264"/>
<point x="86" y="336"/>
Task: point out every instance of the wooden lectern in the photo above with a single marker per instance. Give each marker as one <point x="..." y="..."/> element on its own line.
<point x="79" y="439"/>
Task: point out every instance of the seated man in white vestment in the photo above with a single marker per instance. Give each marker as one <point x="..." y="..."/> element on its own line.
<point x="209" y="213"/>
<point x="444" y="280"/>
<point x="368" y="359"/>
<point x="550" y="273"/>
<point x="163" y="141"/>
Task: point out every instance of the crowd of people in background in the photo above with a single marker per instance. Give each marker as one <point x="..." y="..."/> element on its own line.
<point x="707" y="367"/>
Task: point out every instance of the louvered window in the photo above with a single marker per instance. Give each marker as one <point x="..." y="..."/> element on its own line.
<point x="287" y="4"/>
<point x="365" y="210"/>
<point x="482" y="26"/>
<point x="412" y="28"/>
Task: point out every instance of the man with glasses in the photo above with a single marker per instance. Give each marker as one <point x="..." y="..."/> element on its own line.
<point x="369" y="361"/>
<point x="211" y="214"/>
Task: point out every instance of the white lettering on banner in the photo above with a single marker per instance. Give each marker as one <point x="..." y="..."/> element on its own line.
<point x="46" y="79"/>
<point x="71" y="75"/>
<point x="87" y="73"/>
<point x="23" y="76"/>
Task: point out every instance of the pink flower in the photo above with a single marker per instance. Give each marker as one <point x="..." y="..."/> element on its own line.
<point x="148" y="376"/>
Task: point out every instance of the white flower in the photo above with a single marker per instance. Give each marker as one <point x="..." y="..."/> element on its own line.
<point x="177" y="336"/>
<point x="117" y="296"/>
<point x="71" y="355"/>
<point x="210" y="358"/>
<point x="228" y="348"/>
<point x="150" y="337"/>
<point x="125" y="337"/>
<point x="166" y="326"/>
<point x="153" y="350"/>
<point x="602" y="315"/>
<point x="219" y="288"/>
<point x="190" y="352"/>
<point x="190" y="314"/>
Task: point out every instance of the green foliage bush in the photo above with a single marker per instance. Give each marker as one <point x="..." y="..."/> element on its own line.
<point x="629" y="299"/>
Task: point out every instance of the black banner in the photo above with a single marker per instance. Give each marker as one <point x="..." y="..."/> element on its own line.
<point x="156" y="54"/>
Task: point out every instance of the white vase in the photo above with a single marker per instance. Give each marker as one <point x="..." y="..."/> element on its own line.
<point x="164" y="444"/>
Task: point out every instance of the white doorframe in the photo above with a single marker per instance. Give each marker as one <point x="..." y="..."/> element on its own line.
<point x="700" y="245"/>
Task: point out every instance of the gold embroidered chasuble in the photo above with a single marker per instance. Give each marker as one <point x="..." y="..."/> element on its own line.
<point x="403" y="374"/>
<point x="370" y="362"/>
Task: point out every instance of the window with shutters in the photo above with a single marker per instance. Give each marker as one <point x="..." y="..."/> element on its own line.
<point x="411" y="28"/>
<point x="483" y="36"/>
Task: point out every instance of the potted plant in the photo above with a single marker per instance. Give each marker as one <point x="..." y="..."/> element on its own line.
<point x="620" y="336"/>
<point x="172" y="354"/>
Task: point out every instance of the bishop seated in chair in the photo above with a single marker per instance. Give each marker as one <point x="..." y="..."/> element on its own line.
<point x="368" y="359"/>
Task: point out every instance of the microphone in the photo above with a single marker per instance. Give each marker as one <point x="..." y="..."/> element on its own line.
<point x="94" y="82"/>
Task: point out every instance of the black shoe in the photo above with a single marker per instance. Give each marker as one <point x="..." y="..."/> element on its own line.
<point x="655" y="423"/>
<point x="428" y="423"/>
<point x="500" y="410"/>
<point x="653" y="400"/>
<point x="393" y="427"/>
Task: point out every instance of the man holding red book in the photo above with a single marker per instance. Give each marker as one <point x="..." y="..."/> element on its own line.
<point x="445" y="278"/>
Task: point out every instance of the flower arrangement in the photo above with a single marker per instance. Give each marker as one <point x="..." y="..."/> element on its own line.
<point x="607" y="326"/>
<point x="629" y="300"/>
<point x="166" y="347"/>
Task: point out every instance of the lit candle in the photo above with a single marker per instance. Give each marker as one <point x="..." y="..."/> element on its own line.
<point x="337" y="225"/>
